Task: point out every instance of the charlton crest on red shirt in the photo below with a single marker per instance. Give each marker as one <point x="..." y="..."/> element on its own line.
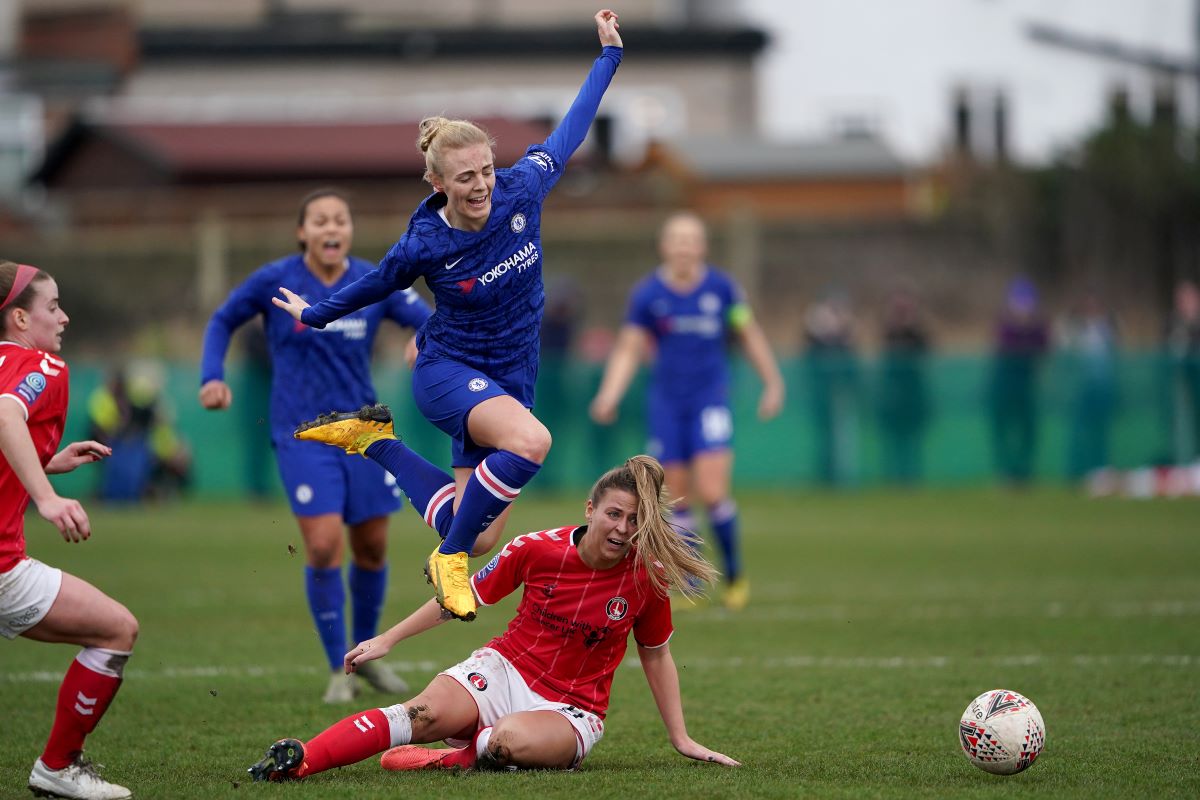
<point x="573" y="623"/>
<point x="616" y="609"/>
<point x="38" y="382"/>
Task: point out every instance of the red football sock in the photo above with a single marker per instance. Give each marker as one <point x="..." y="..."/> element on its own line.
<point x="359" y="736"/>
<point x="83" y="697"/>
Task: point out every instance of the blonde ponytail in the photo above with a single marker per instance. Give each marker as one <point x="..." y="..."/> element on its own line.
<point x="665" y="552"/>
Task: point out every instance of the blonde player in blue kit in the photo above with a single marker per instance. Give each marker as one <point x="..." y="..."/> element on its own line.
<point x="688" y="309"/>
<point x="313" y="371"/>
<point x="477" y="243"/>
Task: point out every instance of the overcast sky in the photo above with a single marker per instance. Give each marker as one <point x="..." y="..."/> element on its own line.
<point x="896" y="62"/>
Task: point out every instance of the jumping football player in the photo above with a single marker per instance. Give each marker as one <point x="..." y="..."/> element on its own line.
<point x="477" y="242"/>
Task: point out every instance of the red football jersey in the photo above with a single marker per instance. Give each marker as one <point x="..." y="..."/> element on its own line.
<point x="573" y="622"/>
<point x="38" y="382"/>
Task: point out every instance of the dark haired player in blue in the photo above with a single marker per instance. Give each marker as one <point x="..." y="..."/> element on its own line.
<point x="477" y="242"/>
<point x="314" y="371"/>
<point x="688" y="309"/>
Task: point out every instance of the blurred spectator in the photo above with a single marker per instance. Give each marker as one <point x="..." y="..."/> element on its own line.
<point x="149" y="459"/>
<point x="1088" y="338"/>
<point x="1183" y="349"/>
<point x="1021" y="341"/>
<point x="903" y="387"/>
<point x="563" y="307"/>
<point x="833" y="386"/>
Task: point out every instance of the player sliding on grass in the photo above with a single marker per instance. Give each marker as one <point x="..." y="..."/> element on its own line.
<point x="37" y="601"/>
<point x="477" y="243"/>
<point x="535" y="696"/>
<point x="333" y="497"/>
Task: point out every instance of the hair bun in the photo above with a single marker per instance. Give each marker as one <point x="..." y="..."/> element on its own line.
<point x="429" y="128"/>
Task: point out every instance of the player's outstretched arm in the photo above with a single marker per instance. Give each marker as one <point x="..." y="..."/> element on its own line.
<point x="76" y="454"/>
<point x="754" y="341"/>
<point x="394" y="273"/>
<point x="243" y="303"/>
<point x="15" y="443"/>
<point x="659" y="668"/>
<point x="618" y="373"/>
<point x="427" y="616"/>
<point x="574" y="126"/>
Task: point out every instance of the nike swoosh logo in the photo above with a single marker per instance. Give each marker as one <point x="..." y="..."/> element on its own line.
<point x="450" y="264"/>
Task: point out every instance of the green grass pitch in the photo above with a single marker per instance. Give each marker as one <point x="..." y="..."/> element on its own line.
<point x="874" y="620"/>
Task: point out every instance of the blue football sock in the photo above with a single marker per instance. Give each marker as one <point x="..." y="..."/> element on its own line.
<point x="368" y="588"/>
<point x="326" y="601"/>
<point x="495" y="483"/>
<point x="723" y="517"/>
<point x="685" y="524"/>
<point x="429" y="489"/>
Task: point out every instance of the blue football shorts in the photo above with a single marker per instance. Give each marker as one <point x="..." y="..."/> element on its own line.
<point x="681" y="431"/>
<point x="321" y="479"/>
<point x="445" y="391"/>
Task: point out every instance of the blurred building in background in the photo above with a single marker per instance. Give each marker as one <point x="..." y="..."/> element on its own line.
<point x="197" y="92"/>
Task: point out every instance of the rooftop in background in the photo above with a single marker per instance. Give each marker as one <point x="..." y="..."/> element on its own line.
<point x="336" y="35"/>
<point x="843" y="178"/>
<point x="445" y="13"/>
<point x="366" y="14"/>
<point x="719" y="159"/>
<point x="136" y="153"/>
<point x="309" y="62"/>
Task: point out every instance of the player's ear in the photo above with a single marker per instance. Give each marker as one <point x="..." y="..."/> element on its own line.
<point x="435" y="180"/>
<point x="587" y="510"/>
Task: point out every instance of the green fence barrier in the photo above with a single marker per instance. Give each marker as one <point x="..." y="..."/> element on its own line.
<point x="844" y="424"/>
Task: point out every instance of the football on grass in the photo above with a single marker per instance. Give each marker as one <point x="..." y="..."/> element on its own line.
<point x="1002" y="732"/>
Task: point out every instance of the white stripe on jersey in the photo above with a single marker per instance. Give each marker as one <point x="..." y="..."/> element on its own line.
<point x="552" y="534"/>
<point x="566" y="551"/>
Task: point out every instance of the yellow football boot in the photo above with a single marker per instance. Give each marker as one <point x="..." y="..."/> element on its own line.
<point x="737" y="595"/>
<point x="449" y="576"/>
<point x="353" y="431"/>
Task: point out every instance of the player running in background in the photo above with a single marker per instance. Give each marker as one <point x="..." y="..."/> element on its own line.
<point x="313" y="371"/>
<point x="536" y="695"/>
<point x="37" y="601"/>
<point x="686" y="310"/>
<point x="477" y="242"/>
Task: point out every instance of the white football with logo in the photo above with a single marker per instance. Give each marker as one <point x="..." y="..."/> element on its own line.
<point x="1002" y="732"/>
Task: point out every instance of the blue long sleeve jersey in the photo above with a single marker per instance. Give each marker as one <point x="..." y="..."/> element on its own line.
<point x="313" y="371"/>
<point x="487" y="285"/>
